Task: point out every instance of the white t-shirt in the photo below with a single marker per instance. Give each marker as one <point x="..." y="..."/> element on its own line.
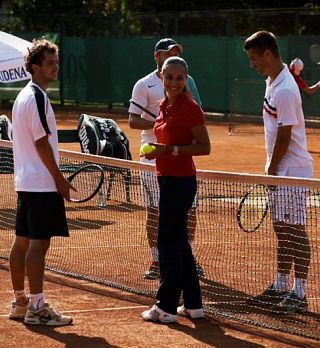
<point x="148" y="92"/>
<point x="282" y="106"/>
<point x="32" y="119"/>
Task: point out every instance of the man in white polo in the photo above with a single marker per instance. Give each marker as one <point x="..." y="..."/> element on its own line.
<point x="287" y="155"/>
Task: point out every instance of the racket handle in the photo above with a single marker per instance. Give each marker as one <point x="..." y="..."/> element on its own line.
<point x="101" y="199"/>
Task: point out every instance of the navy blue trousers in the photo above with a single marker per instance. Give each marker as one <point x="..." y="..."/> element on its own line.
<point x="178" y="274"/>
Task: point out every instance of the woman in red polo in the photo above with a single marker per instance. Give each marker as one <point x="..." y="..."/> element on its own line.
<point x="181" y="133"/>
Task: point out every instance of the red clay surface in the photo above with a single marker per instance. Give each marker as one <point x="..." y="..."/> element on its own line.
<point x="105" y="317"/>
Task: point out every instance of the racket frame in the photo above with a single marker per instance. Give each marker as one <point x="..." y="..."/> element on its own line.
<point x="314" y="53"/>
<point x="242" y="203"/>
<point x="97" y="189"/>
<point x="143" y="108"/>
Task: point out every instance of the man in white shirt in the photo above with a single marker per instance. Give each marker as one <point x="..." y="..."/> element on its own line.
<point x="287" y="155"/>
<point x="148" y="92"/>
<point x="40" y="186"/>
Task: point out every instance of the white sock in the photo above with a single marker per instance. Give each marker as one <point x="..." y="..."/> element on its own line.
<point x="154" y="254"/>
<point x="37" y="300"/>
<point x="282" y="282"/>
<point x="20" y="296"/>
<point x="299" y="287"/>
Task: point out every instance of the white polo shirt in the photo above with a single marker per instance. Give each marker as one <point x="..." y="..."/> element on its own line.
<point x="282" y="106"/>
<point x="32" y="119"/>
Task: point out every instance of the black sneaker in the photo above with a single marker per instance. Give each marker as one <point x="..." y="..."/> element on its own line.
<point x="292" y="303"/>
<point x="269" y="297"/>
<point x="153" y="272"/>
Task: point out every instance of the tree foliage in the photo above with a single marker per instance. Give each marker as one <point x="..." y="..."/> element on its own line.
<point x="123" y="17"/>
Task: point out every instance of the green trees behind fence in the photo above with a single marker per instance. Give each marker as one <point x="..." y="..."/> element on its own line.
<point x="104" y="70"/>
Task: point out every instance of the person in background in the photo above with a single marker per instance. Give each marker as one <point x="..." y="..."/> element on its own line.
<point x="296" y="66"/>
<point x="40" y="186"/>
<point x="148" y="92"/>
<point x="287" y="155"/>
<point x="181" y="133"/>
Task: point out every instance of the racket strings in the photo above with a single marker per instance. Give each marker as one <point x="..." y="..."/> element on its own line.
<point x="314" y="53"/>
<point x="253" y="208"/>
<point x="85" y="183"/>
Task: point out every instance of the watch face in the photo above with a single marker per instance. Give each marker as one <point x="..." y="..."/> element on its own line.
<point x="175" y="151"/>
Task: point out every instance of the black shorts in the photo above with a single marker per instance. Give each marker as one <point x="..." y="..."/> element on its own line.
<point x="41" y="215"/>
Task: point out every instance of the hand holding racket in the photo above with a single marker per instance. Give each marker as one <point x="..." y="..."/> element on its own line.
<point x="87" y="182"/>
<point x="253" y="208"/>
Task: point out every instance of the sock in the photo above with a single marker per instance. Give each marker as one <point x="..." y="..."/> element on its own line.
<point x="282" y="282"/>
<point x="20" y="296"/>
<point x="37" y="300"/>
<point x="299" y="287"/>
<point x="154" y="254"/>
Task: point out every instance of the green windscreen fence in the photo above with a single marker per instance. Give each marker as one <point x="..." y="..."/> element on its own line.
<point x="104" y="70"/>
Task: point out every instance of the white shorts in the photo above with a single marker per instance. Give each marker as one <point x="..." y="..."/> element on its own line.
<point x="149" y="190"/>
<point x="289" y="203"/>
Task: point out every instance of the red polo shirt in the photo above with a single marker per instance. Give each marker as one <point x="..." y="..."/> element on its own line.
<point x="173" y="127"/>
<point x="299" y="80"/>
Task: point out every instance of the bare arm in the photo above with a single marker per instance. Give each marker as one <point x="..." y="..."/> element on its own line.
<point x="137" y="122"/>
<point x="46" y="154"/>
<point x="280" y="148"/>
<point x="201" y="145"/>
<point x="312" y="89"/>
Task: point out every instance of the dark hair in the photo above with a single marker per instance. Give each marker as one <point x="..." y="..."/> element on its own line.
<point x="261" y="41"/>
<point x="36" y="52"/>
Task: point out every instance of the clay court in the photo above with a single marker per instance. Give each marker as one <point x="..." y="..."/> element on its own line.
<point x="105" y="317"/>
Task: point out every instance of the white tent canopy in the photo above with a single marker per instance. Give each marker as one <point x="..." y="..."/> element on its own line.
<point x="12" y="51"/>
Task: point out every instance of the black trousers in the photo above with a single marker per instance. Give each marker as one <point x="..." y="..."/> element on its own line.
<point x="178" y="272"/>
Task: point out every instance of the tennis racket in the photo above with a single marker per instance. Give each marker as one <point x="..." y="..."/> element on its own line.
<point x="314" y="53"/>
<point x="143" y="109"/>
<point x="87" y="181"/>
<point x="253" y="208"/>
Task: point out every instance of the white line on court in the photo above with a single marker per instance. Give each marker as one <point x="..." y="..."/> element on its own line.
<point x="94" y="310"/>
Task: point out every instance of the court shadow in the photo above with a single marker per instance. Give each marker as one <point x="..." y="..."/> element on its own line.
<point x="7" y="220"/>
<point x="87" y="224"/>
<point x="209" y="332"/>
<point x="70" y="340"/>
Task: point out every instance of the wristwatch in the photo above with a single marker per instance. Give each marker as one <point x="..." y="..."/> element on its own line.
<point x="175" y="150"/>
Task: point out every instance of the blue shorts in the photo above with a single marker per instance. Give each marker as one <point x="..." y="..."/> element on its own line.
<point x="41" y="215"/>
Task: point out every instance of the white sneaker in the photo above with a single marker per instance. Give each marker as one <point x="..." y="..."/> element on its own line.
<point x="46" y="315"/>
<point x="156" y="314"/>
<point x="19" y="310"/>
<point x="190" y="313"/>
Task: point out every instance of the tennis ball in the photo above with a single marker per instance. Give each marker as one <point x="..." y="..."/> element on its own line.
<point x="146" y="149"/>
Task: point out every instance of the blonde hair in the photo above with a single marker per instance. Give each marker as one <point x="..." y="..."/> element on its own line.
<point x="175" y="60"/>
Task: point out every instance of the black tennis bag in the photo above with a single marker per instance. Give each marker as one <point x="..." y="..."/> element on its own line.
<point x="6" y="156"/>
<point x="102" y="136"/>
<point x="5" y="128"/>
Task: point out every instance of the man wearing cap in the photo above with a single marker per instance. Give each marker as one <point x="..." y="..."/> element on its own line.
<point x="296" y="66"/>
<point x="148" y="92"/>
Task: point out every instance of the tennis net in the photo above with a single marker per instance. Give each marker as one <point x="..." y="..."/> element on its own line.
<point x="108" y="243"/>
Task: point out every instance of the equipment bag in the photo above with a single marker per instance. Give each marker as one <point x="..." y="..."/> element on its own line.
<point x="102" y="136"/>
<point x="5" y="128"/>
